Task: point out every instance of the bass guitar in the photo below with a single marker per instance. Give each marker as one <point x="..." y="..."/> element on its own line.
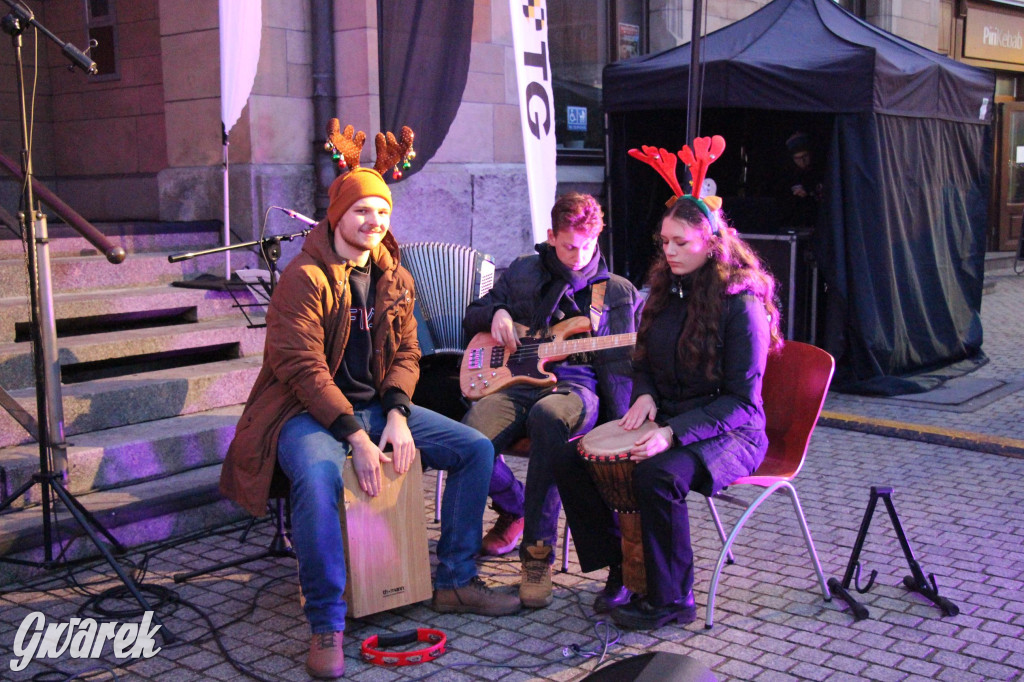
<point x="488" y="366"/>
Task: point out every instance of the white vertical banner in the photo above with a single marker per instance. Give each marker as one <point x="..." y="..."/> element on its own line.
<point x="536" y="107"/>
<point x="241" y="23"/>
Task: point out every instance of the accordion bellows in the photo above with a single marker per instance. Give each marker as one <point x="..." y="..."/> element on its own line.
<point x="448" y="277"/>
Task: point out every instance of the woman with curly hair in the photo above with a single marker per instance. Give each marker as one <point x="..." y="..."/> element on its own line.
<point x="707" y="328"/>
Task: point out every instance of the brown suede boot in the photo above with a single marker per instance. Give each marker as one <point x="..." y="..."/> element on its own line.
<point x="326" y="658"/>
<point x="535" y="588"/>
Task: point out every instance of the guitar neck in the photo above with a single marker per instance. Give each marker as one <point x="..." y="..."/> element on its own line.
<point x="585" y="344"/>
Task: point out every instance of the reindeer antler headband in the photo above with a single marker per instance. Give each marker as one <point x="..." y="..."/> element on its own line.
<point x="706" y="150"/>
<point x="346" y="147"/>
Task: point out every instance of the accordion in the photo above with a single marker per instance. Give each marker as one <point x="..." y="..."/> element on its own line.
<point x="448" y="277"/>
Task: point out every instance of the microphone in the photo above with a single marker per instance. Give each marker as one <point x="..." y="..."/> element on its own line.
<point x="297" y="216"/>
<point x="80" y="58"/>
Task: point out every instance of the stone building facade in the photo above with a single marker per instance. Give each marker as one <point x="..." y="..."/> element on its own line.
<point x="145" y="143"/>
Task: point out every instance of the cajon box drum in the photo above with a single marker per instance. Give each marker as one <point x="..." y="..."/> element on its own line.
<point x="386" y="550"/>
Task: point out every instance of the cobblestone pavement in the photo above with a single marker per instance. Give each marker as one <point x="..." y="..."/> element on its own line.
<point x="962" y="510"/>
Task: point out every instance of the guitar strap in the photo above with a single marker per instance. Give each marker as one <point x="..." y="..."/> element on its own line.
<point x="597" y="304"/>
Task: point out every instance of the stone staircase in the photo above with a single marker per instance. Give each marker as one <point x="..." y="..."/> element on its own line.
<point x="153" y="378"/>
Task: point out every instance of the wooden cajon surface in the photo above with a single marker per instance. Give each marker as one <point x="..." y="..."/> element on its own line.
<point x="386" y="549"/>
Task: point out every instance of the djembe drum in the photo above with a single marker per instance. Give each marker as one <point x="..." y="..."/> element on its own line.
<point x="605" y="450"/>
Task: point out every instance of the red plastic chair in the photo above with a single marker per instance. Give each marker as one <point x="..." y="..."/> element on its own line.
<point x="795" y="383"/>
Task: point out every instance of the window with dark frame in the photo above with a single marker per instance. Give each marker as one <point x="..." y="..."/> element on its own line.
<point x="584" y="36"/>
<point x="101" y="27"/>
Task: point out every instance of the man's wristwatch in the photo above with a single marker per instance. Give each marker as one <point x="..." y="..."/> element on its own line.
<point x="402" y="410"/>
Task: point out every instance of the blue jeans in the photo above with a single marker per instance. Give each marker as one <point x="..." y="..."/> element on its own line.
<point x="312" y="460"/>
<point x="549" y="416"/>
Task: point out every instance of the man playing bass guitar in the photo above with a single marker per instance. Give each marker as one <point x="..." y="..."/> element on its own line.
<point x="566" y="278"/>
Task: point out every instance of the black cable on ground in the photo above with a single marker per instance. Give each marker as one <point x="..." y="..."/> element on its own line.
<point x="166" y="603"/>
<point x="166" y="598"/>
<point x="607" y="635"/>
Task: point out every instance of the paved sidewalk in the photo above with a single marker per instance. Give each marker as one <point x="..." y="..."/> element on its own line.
<point x="962" y="510"/>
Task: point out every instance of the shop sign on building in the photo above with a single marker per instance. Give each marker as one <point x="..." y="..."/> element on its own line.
<point x="994" y="35"/>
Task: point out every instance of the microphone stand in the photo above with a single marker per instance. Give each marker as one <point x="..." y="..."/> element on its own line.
<point x="270" y="248"/>
<point x="280" y="545"/>
<point x="52" y="474"/>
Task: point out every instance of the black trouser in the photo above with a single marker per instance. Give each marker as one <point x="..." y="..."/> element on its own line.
<point x="595" y="530"/>
<point x="661" y="484"/>
<point x="549" y="416"/>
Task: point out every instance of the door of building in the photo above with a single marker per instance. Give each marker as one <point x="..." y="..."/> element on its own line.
<point x="1009" y="177"/>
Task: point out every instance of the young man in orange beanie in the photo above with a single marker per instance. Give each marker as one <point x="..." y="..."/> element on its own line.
<point x="340" y="363"/>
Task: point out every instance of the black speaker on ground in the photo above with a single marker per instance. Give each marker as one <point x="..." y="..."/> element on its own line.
<point x="659" y="666"/>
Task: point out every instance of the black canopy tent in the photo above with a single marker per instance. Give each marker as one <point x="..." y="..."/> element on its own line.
<point x="900" y="238"/>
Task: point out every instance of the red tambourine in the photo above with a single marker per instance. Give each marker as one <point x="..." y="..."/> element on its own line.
<point x="371" y="653"/>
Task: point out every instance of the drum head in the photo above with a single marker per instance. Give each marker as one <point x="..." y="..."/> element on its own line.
<point x="610" y="439"/>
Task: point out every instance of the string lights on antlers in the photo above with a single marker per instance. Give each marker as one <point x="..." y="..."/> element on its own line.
<point x="394" y="153"/>
<point x="346" y="146"/>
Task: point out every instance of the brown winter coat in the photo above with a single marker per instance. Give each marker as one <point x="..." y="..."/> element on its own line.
<point x="307" y="330"/>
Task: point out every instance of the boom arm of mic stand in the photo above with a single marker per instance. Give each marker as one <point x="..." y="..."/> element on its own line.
<point x="262" y="243"/>
<point x="74" y="55"/>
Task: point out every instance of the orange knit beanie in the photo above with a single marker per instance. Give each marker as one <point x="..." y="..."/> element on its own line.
<point x="349" y="188"/>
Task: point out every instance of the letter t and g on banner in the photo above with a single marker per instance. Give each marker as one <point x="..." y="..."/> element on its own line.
<point x="536" y="107"/>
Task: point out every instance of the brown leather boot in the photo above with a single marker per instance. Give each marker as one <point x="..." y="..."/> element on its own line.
<point x="326" y="658"/>
<point x="535" y="588"/>
<point x="477" y="598"/>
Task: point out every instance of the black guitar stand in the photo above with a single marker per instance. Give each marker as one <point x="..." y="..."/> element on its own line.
<point x="915" y="582"/>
